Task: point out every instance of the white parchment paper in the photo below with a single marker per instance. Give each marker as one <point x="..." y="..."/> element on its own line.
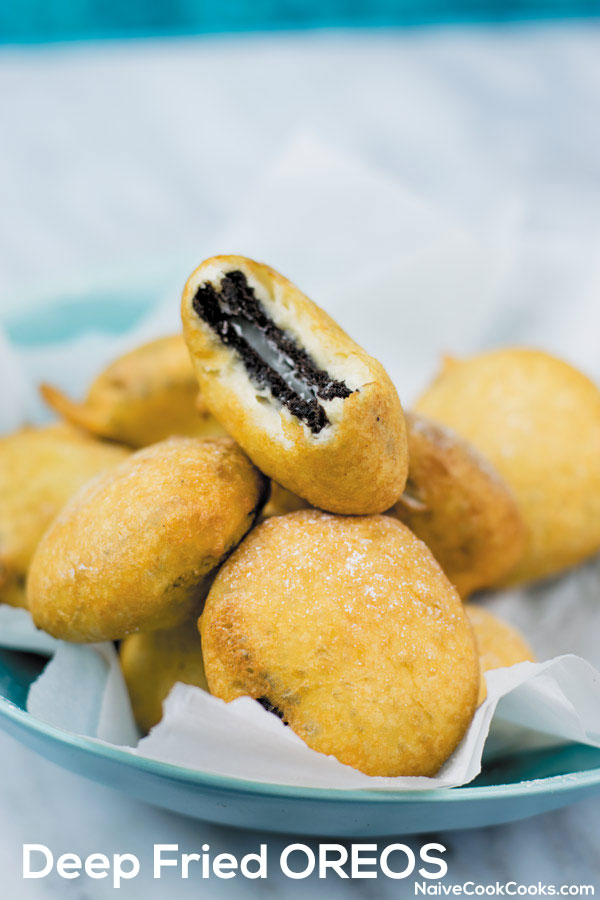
<point x="408" y="283"/>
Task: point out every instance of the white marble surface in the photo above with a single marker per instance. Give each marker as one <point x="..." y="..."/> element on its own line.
<point x="115" y="154"/>
<point x="40" y="803"/>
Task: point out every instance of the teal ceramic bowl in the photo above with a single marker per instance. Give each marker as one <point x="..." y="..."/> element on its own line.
<point x="524" y="786"/>
<point x="516" y="788"/>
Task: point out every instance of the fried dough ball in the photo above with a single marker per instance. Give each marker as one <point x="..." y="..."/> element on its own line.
<point x="14" y="594"/>
<point x="40" y="468"/>
<point x="132" y="550"/>
<point x="309" y="406"/>
<point x="347" y="628"/>
<point x="142" y="397"/>
<point x="282" y="501"/>
<point x="457" y="503"/>
<point x="498" y="643"/>
<point x="153" y="662"/>
<point x="538" y="420"/>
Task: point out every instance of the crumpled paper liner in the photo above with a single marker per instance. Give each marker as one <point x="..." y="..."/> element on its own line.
<point x="534" y="704"/>
<point x="81" y="688"/>
<point x="530" y="705"/>
<point x="409" y="284"/>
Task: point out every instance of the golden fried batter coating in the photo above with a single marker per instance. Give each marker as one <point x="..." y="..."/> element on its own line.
<point x="538" y="420"/>
<point x="153" y="662"/>
<point x="14" y="593"/>
<point x="498" y="643"/>
<point x="40" y="468"/>
<point x="457" y="503"/>
<point x="310" y="407"/>
<point x="132" y="550"/>
<point x="143" y="397"/>
<point x="282" y="501"/>
<point x="349" y="630"/>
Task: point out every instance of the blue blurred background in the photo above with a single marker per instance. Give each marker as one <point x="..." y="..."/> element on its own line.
<point x="49" y="20"/>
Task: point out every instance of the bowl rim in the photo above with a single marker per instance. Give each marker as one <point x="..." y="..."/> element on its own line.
<point x="214" y="781"/>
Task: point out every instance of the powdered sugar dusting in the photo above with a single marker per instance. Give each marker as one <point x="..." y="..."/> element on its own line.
<point x="373" y="565"/>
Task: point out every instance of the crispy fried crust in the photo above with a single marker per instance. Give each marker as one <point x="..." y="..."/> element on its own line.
<point x="538" y="420"/>
<point x="132" y="551"/>
<point x="153" y="662"/>
<point x="14" y="593"/>
<point x="40" y="468"/>
<point x="350" y="629"/>
<point x="359" y="464"/>
<point x="498" y="643"/>
<point x="282" y="501"/>
<point x="142" y="397"/>
<point x="457" y="503"/>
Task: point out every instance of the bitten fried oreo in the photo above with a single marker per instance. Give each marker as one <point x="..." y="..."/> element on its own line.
<point x="40" y="468"/>
<point x="143" y="397"/>
<point x="347" y="628"/>
<point x="153" y="662"/>
<point x="457" y="503"/>
<point x="133" y="550"/>
<point x="310" y="407"/>
<point x="498" y="643"/>
<point x="538" y="420"/>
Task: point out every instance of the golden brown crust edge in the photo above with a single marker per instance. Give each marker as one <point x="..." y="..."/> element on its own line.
<point x="152" y="662"/>
<point x="40" y="468"/>
<point x="537" y="418"/>
<point x="460" y="507"/>
<point x="142" y="397"/>
<point x="498" y="643"/>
